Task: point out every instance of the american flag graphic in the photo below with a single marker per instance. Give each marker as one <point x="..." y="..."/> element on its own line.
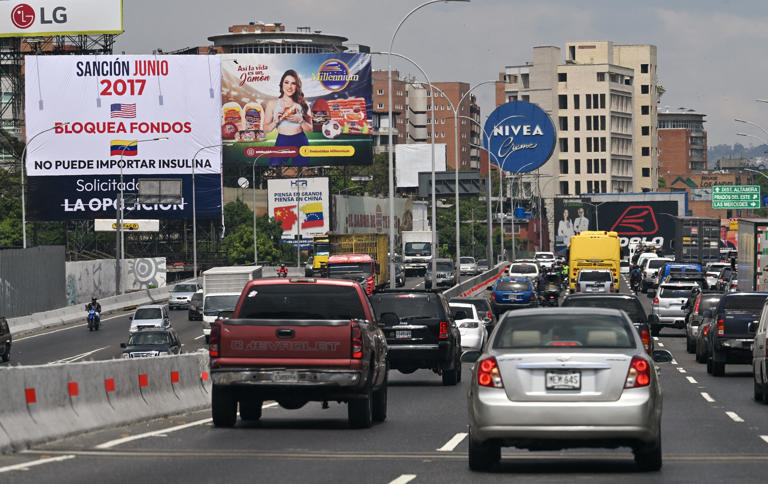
<point x="122" y="111"/>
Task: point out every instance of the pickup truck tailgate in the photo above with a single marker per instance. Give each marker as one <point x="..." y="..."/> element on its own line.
<point x="270" y="339"/>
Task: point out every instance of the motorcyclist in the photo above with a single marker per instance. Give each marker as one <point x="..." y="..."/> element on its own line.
<point x="94" y="304"/>
<point x="635" y="276"/>
<point x="282" y="270"/>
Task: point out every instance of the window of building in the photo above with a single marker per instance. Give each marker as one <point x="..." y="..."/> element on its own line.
<point x="563" y="167"/>
<point x="589" y="186"/>
<point x="563" y="123"/>
<point x="588" y="98"/>
<point x="602" y="123"/>
<point x="562" y="77"/>
<point x="380" y="106"/>
<point x="645" y="89"/>
<point x="564" y="188"/>
<point x="577" y="166"/>
<point x="644" y="68"/>
<point x="602" y="165"/>
<point x="575" y="101"/>
<point x="645" y="151"/>
<point x="380" y="91"/>
<point x="589" y="144"/>
<point x="577" y="146"/>
<point x="645" y="109"/>
<point x="602" y="144"/>
<point x="602" y="101"/>
<point x="646" y="172"/>
<point x="601" y="77"/>
<point x="577" y="187"/>
<point x="576" y="123"/>
<point x="564" y="145"/>
<point x="596" y="165"/>
<point x="589" y="122"/>
<point x="562" y="100"/>
<point x="602" y="186"/>
<point x="646" y="131"/>
<point x="596" y="101"/>
<point x="589" y="165"/>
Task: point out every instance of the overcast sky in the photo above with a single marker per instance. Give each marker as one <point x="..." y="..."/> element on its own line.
<point x="712" y="54"/>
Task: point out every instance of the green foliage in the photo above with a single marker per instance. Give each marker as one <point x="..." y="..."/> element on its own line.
<point x="378" y="172"/>
<point x="662" y="182"/>
<point x="238" y="240"/>
<point x="474" y="235"/>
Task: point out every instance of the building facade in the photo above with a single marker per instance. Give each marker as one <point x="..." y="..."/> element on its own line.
<point x="682" y="142"/>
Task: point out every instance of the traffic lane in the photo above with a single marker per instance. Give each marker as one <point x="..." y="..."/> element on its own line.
<point x="73" y="343"/>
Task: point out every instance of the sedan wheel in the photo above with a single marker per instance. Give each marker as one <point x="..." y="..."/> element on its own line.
<point x="690" y="345"/>
<point x="757" y="393"/>
<point x="483" y="456"/>
<point x="648" y="457"/>
<point x="5" y="352"/>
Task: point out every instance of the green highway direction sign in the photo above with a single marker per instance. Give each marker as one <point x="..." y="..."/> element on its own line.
<point x="736" y="196"/>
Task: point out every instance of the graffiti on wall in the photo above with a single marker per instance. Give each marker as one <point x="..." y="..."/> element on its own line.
<point x="96" y="278"/>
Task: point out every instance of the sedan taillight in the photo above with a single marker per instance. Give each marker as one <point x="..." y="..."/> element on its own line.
<point x="488" y="374"/>
<point x="639" y="374"/>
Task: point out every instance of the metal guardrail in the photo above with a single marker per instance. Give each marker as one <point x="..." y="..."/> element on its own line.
<point x="472" y="284"/>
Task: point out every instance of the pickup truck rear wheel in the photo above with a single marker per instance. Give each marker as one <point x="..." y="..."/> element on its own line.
<point x="380" y="402"/>
<point x="223" y="407"/>
<point x="360" y="411"/>
<point x="250" y="409"/>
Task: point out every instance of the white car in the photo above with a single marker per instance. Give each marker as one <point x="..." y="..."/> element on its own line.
<point x="523" y="269"/>
<point x="545" y="259"/>
<point x="181" y="294"/>
<point x="650" y="268"/>
<point x="470" y="326"/>
<point x="712" y="271"/>
<point x="595" y="280"/>
<point x="467" y="265"/>
<point x="150" y="316"/>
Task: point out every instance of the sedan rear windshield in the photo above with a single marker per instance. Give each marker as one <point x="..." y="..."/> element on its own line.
<point x="408" y="306"/>
<point x="544" y="256"/>
<point x="467" y="260"/>
<point x="302" y="301"/>
<point x="522" y="269"/>
<point x="630" y="306"/>
<point x="675" y="292"/>
<point x="184" y="288"/>
<point x="512" y="286"/>
<point x="597" y="276"/>
<point x="564" y="330"/>
<point x="656" y="263"/>
<point x="148" y="313"/>
<point x="744" y="303"/>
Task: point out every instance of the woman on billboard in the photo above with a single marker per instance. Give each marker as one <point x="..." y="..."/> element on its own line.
<point x="290" y="114"/>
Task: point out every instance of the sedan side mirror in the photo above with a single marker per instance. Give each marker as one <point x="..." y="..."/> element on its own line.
<point x="752" y="328"/>
<point x="470" y="356"/>
<point x="123" y="345"/>
<point x="662" y="356"/>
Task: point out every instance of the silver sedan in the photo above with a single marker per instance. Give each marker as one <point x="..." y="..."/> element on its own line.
<point x="556" y="378"/>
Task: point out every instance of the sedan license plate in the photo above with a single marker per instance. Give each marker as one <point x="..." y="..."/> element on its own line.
<point x="563" y="380"/>
<point x="285" y="377"/>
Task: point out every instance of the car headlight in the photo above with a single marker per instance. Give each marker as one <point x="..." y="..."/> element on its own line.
<point x="126" y="356"/>
<point x="162" y="353"/>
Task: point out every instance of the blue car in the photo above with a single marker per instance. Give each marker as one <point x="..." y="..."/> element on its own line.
<point x="512" y="293"/>
<point x="678" y="268"/>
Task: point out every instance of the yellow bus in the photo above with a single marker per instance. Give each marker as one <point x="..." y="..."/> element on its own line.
<point x="594" y="249"/>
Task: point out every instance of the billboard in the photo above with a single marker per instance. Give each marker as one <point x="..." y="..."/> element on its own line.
<point x="301" y="206"/>
<point x="33" y="18"/>
<point x="369" y="215"/>
<point x="635" y="221"/>
<point x="520" y="136"/>
<point x="410" y="159"/>
<point x="296" y="109"/>
<point x="116" y="117"/>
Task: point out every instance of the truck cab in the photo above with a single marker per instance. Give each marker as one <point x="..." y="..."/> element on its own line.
<point x="357" y="267"/>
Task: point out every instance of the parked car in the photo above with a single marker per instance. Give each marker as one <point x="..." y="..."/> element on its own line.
<point x="467" y="265"/>
<point x="484" y="309"/>
<point x="545" y="259"/>
<point x="420" y="332"/>
<point x="445" y="274"/>
<point x="5" y="339"/>
<point x="564" y="377"/>
<point x="701" y="308"/>
<point x="180" y="294"/>
<point x="152" y="342"/>
<point x="595" y="280"/>
<point x="482" y="265"/>
<point x="668" y="304"/>
<point x="470" y="326"/>
<point x="529" y="270"/>
<point x="195" y="307"/>
<point x="733" y="331"/>
<point x="629" y="303"/>
<point x="512" y="293"/>
<point x="650" y="270"/>
<point x="150" y="316"/>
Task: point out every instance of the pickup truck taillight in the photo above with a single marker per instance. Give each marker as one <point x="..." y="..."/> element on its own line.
<point x="721" y="327"/>
<point x="213" y="339"/>
<point x="488" y="374"/>
<point x="696" y="308"/>
<point x="443" y="330"/>
<point x="357" y="341"/>
<point x="639" y="374"/>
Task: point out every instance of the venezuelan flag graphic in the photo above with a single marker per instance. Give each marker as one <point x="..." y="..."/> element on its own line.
<point x="313" y="213"/>
<point x="120" y="147"/>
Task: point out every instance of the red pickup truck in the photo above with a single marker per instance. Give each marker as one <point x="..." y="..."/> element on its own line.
<point x="295" y="341"/>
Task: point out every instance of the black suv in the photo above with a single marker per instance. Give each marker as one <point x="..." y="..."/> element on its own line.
<point x="420" y="332"/>
<point x="152" y="342"/>
<point x="733" y="331"/>
<point x="629" y="303"/>
<point x="5" y="339"/>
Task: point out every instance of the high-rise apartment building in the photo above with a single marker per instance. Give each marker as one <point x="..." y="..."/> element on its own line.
<point x="380" y="101"/>
<point x="682" y="142"/>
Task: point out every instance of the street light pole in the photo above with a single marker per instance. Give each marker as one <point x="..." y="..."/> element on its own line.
<point x="390" y="148"/>
<point x="23" y="165"/>
<point x="194" y="208"/>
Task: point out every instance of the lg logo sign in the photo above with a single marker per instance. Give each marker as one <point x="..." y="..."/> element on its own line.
<point x="23" y="16"/>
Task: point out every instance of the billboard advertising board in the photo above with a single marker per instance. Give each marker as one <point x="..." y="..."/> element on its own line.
<point x="369" y="215"/>
<point x="33" y="18"/>
<point x="297" y="109"/>
<point x="130" y="116"/>
<point x="410" y="159"/>
<point x="520" y="136"/>
<point x="635" y="221"/>
<point x="301" y="206"/>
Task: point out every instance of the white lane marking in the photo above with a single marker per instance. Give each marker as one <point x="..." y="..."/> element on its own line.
<point x="74" y="358"/>
<point x="706" y="397"/>
<point x="200" y="337"/>
<point x="681" y="370"/>
<point x="765" y="438"/>
<point x="26" y="465"/>
<point x="734" y="416"/>
<point x="692" y="380"/>
<point x="403" y="479"/>
<point x="64" y="329"/>
<point x="655" y="338"/>
<point x="116" y="442"/>
<point x="451" y="444"/>
<point x="673" y="362"/>
<point x="270" y="405"/>
<point x="661" y="345"/>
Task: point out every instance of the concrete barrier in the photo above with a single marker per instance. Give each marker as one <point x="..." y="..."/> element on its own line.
<point x="473" y="284"/>
<point x="42" y="403"/>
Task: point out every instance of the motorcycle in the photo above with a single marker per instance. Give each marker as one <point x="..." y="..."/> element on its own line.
<point x="634" y="285"/>
<point x="94" y="320"/>
<point x="282" y="272"/>
<point x="550" y="296"/>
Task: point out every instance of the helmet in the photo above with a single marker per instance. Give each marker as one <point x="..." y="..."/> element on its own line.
<point x="93" y="299"/>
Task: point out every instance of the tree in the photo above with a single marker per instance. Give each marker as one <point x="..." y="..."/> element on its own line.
<point x="238" y="241"/>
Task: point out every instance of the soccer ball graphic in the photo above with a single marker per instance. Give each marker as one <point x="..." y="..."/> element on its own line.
<point x="331" y="128"/>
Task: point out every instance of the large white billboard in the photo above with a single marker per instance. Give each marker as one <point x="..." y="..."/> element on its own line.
<point x="31" y="18"/>
<point x="301" y="205"/>
<point x="113" y="106"/>
<point x="410" y="159"/>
